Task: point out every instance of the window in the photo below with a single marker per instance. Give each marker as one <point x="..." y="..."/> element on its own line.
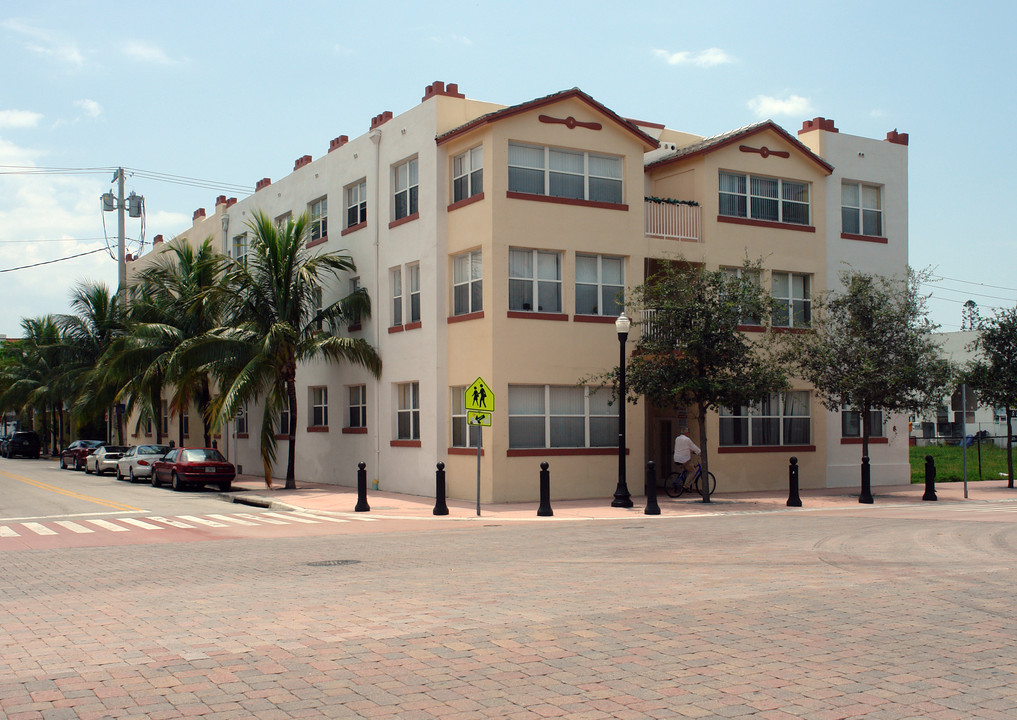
<point x="242" y="420"/>
<point x="282" y="221"/>
<point x="355" y="287"/>
<point x="408" y="413"/>
<point x="284" y="418"/>
<point x="318" y="397"/>
<point x="792" y="300"/>
<point x="535" y="280"/>
<point x="185" y="420"/>
<point x="406" y="189"/>
<point x="468" y="174"/>
<point x="779" y="419"/>
<point x="356" y="204"/>
<point x="467" y="283"/>
<point x="763" y="198"/>
<point x="357" y="406"/>
<point x="861" y="209"/>
<point x="397" y="296"/>
<point x="240" y="248"/>
<point x="165" y="417"/>
<point x="414" y="275"/>
<point x="748" y="317"/>
<point x="600" y="281"/>
<point x="851" y="423"/>
<point x="561" y="416"/>
<point x="572" y="174"/>
<point x="459" y="427"/>
<point x="319" y="219"/>
<point x="318" y="305"/>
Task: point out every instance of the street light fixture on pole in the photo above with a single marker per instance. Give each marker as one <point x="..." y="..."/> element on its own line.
<point x="621" y="494"/>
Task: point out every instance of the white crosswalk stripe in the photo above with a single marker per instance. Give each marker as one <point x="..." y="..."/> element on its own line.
<point x="326" y="518"/>
<point x="38" y="528"/>
<point x="106" y="525"/>
<point x="8" y="532"/>
<point x="202" y="521"/>
<point x="170" y="521"/>
<point x="987" y="507"/>
<point x="74" y="527"/>
<point x="229" y="519"/>
<point x="141" y="524"/>
<point x="291" y="517"/>
<point x="270" y="521"/>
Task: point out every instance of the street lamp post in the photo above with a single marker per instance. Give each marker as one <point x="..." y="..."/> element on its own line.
<point x="621" y="494"/>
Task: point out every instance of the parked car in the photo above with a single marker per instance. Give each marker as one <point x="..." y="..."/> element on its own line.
<point x="136" y="463"/>
<point x="193" y="466"/>
<point x="103" y="459"/>
<point x="74" y="455"/>
<point x="24" y="443"/>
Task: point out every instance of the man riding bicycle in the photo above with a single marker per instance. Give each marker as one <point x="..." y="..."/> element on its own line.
<point x="683" y="449"/>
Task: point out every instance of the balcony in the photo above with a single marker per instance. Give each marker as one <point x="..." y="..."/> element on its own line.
<point x="672" y="220"/>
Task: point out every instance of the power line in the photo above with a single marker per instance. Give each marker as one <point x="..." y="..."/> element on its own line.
<point x="50" y="262"/>
<point x="147" y="174"/>
<point x="969" y="282"/>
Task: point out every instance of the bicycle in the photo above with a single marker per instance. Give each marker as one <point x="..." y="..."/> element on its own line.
<point x="679" y="482"/>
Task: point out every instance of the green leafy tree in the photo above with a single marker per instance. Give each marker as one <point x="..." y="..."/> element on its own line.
<point x="994" y="374"/>
<point x="691" y="352"/>
<point x="872" y="349"/>
<point x="31" y="379"/>
<point x="273" y="325"/>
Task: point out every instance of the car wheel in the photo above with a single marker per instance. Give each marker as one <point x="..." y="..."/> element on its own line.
<point x="77" y="465"/>
<point x="120" y="475"/>
<point x="224" y="486"/>
<point x="175" y="482"/>
<point x="63" y="463"/>
<point x="130" y="475"/>
<point x="156" y="482"/>
<point x="87" y="471"/>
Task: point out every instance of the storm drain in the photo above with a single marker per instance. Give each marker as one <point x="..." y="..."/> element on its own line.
<point x="332" y="563"/>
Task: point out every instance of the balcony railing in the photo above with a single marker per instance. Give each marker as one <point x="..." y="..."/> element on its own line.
<point x="673" y="222"/>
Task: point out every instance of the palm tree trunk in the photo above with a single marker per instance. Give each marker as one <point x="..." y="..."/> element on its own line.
<point x="205" y="400"/>
<point x="291" y="392"/>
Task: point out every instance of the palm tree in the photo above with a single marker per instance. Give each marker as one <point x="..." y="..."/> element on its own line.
<point x="275" y="325"/>
<point x="31" y="380"/>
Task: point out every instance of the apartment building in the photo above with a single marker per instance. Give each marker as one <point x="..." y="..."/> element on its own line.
<point x="494" y="241"/>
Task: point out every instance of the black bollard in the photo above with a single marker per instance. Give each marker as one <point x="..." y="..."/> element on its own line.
<point x="652" y="508"/>
<point x="793" y="498"/>
<point x="440" y="508"/>
<point x="545" y="492"/>
<point x="866" y="495"/>
<point x="362" y="505"/>
<point x="930" y="479"/>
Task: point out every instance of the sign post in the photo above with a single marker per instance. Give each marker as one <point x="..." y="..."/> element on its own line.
<point x="479" y="402"/>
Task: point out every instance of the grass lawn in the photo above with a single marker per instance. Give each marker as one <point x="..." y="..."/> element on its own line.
<point x="949" y="462"/>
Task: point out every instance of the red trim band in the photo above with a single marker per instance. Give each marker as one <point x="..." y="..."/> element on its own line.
<point x="405" y="443"/>
<point x="320" y="241"/>
<point x="465" y="201"/>
<point x="317" y="428"/>
<point x="765" y="223"/>
<point x="465" y="451"/>
<point x="750" y="328"/>
<point x="858" y="441"/>
<point x="730" y="449"/>
<point x="537" y="315"/>
<point x="353" y="228"/>
<point x="412" y="326"/>
<point x="566" y="201"/>
<point x="242" y="436"/>
<point x="354" y="431"/>
<point x="865" y="238"/>
<point x="465" y="317"/>
<point x="395" y="329"/>
<point x="604" y="319"/>
<point x="404" y="220"/>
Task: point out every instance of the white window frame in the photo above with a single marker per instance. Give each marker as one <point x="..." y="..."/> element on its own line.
<point x="241" y="420"/>
<point x="749" y="200"/>
<point x="317" y="211"/>
<point x="356" y="203"/>
<point x="284" y="418"/>
<point x="355" y="287"/>
<point x="754" y="420"/>
<point x="396" y="281"/>
<point x="468" y="174"/>
<point x="408" y="411"/>
<point x="606" y="292"/>
<point x="185" y="420"/>
<point x="317" y="406"/>
<point x="862" y="208"/>
<point x="356" y="406"/>
<point x="239" y="248"/>
<point x="555" y="178"/>
<point x="282" y="220"/>
<point x="536" y="281"/>
<point x="851" y="423"/>
<point x="462" y="435"/>
<point x="597" y="409"/>
<point x="165" y="418"/>
<point x="405" y="181"/>
<point x="467" y="282"/>
<point x="798" y="309"/>
<point x="413" y="276"/>
<point x="756" y="277"/>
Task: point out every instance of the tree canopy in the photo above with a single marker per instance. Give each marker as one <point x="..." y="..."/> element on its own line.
<point x="994" y="374"/>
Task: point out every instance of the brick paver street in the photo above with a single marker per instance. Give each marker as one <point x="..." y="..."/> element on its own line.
<point x="860" y="611"/>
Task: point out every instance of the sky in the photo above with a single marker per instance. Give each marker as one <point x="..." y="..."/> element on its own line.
<point x="200" y="99"/>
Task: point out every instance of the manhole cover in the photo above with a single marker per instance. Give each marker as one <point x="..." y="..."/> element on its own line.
<point x="330" y="563"/>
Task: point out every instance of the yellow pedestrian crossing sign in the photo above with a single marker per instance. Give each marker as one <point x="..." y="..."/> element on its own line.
<point x="478" y="417"/>
<point x="479" y="397"/>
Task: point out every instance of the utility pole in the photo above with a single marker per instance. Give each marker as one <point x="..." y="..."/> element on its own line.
<point x="121" y="241"/>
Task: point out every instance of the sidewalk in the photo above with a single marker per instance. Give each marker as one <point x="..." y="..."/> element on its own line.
<point x="251" y="490"/>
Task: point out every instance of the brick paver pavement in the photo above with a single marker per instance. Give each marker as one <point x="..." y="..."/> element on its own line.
<point x="857" y="612"/>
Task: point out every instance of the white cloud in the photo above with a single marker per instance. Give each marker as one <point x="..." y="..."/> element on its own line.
<point x="91" y="107"/>
<point x="765" y="106"/>
<point x="19" y="119"/>
<point x="42" y="42"/>
<point x="147" y="53"/>
<point x="704" y="58"/>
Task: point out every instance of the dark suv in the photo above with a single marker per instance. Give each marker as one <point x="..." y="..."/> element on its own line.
<point x="23" y="442"/>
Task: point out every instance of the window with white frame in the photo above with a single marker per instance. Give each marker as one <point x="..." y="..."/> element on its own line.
<point x="561" y="416"/>
<point x="748" y="317"/>
<point x="357" y="406"/>
<point x="861" y="209"/>
<point x="778" y="419"/>
<point x="355" y="287"/>
<point x="462" y="434"/>
<point x="534" y="280"/>
<point x="240" y="248"/>
<point x="396" y="278"/>
<point x="468" y="174"/>
<point x="571" y="174"/>
<point x="316" y="310"/>
<point x="408" y="411"/>
<point x="467" y="283"/>
<point x="356" y="204"/>
<point x="185" y="421"/>
<point x="413" y="273"/>
<point x="283" y="220"/>
<point x="764" y="198"/>
<point x="851" y="423"/>
<point x="284" y="418"/>
<point x="165" y="417"/>
<point x="318" y="211"/>
<point x="405" y="177"/>
<point x="792" y="299"/>
<point x="318" y="406"/>
<point x="600" y="281"/>
<point x="241" y="420"/>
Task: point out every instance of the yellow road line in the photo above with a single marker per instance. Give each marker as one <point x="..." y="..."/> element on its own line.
<point x="69" y="493"/>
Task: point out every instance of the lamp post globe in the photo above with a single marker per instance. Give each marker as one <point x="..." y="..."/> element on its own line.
<point x="621" y="494"/>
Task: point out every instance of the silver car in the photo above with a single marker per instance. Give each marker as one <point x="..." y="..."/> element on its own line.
<point x="136" y="463"/>
<point x="104" y="459"/>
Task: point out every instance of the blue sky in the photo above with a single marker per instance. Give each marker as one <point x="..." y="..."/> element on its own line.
<point x="226" y="93"/>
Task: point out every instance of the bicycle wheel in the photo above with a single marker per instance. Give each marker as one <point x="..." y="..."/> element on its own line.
<point x="674" y="485"/>
<point x="713" y="484"/>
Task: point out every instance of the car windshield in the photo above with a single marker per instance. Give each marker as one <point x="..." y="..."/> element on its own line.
<point x="113" y="449"/>
<point x="91" y="443"/>
<point x="201" y="455"/>
<point x="153" y="449"/>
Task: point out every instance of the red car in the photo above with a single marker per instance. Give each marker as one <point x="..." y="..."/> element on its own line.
<point x="74" y="454"/>
<point x="181" y="467"/>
